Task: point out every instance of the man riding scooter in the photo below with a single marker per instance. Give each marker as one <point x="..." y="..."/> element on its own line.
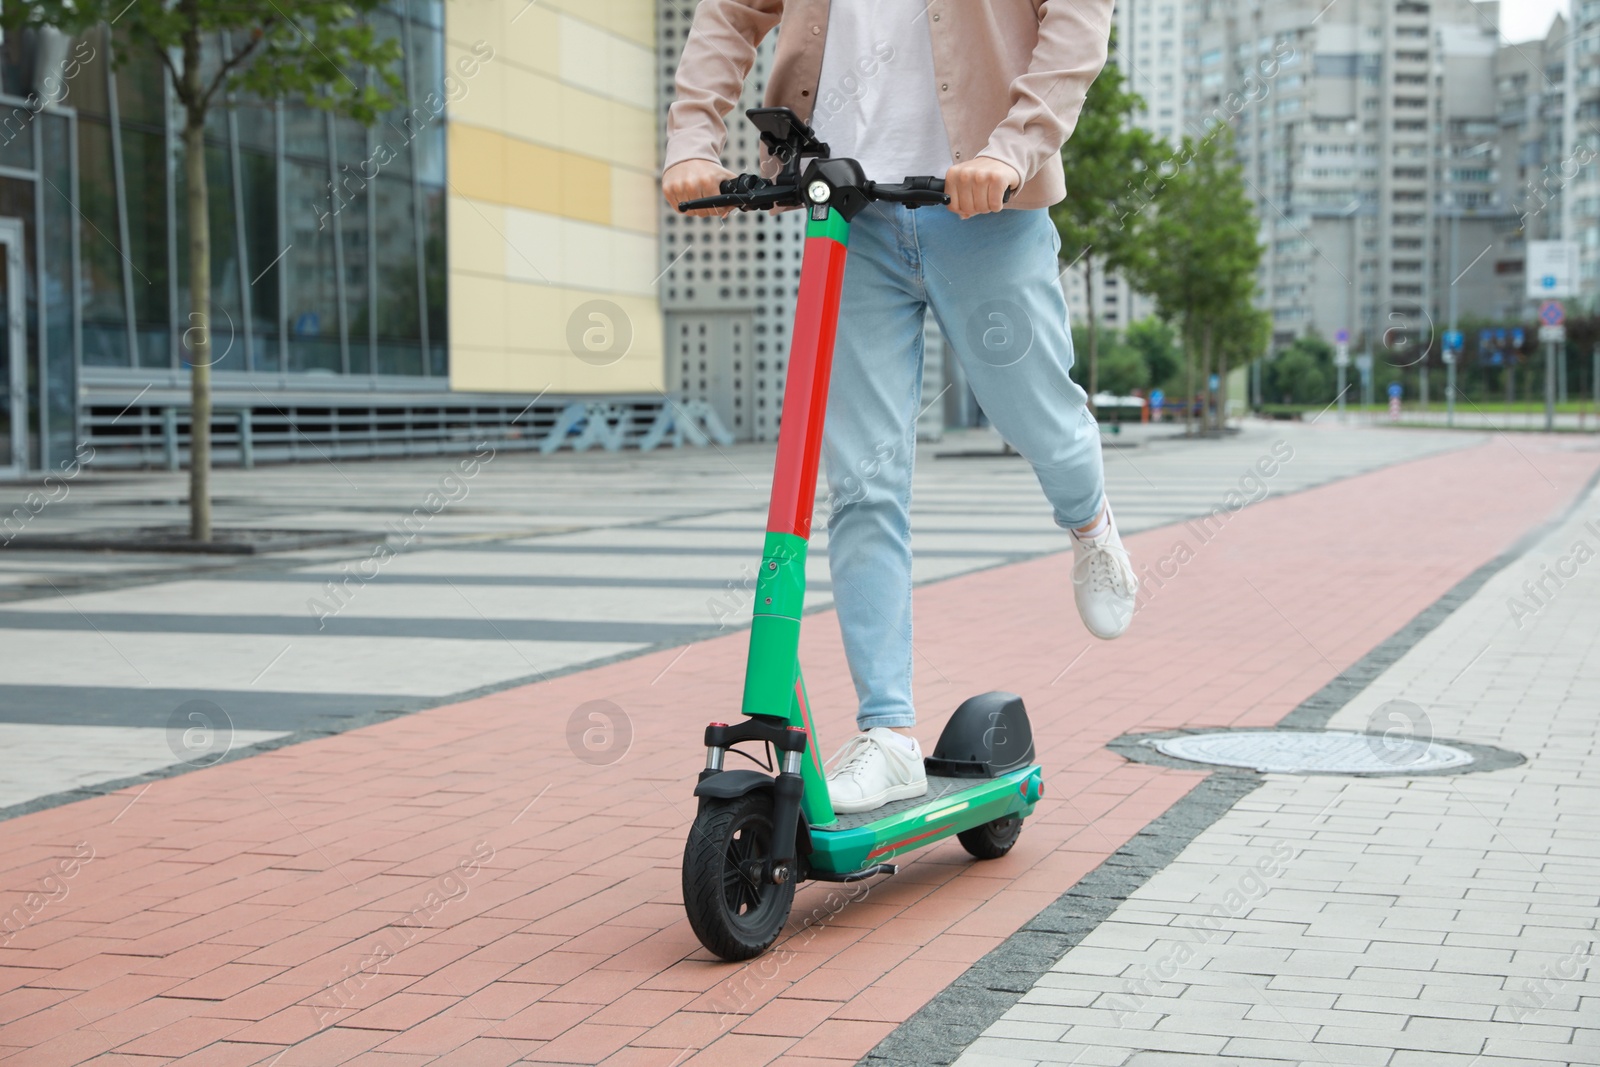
<point x="982" y="93"/>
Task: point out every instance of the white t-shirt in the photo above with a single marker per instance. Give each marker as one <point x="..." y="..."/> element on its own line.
<point x="876" y="100"/>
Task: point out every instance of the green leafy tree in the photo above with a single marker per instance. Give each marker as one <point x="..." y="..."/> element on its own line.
<point x="1157" y="345"/>
<point x="1295" y="378"/>
<point x="1123" y="369"/>
<point x="1302" y="373"/>
<point x="1202" y="270"/>
<point x="1242" y="333"/>
<point x="320" y="52"/>
<point x="1101" y="222"/>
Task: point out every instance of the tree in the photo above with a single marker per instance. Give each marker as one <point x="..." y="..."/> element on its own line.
<point x="1295" y="378"/>
<point x="1123" y="369"/>
<point x="1157" y="345"/>
<point x="1100" y="221"/>
<point x="1303" y="373"/>
<point x="1243" y="332"/>
<point x="1202" y="270"/>
<point x="211" y="50"/>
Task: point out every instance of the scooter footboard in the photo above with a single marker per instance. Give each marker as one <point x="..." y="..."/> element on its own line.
<point x="950" y="806"/>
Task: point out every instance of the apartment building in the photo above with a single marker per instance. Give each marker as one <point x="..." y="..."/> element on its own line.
<point x="1150" y="46"/>
<point x="1368" y="132"/>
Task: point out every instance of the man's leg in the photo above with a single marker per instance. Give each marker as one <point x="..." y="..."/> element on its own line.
<point x="868" y="445"/>
<point x="993" y="282"/>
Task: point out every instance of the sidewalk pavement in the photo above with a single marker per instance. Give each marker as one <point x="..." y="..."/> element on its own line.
<point x="1406" y="921"/>
<point x="516" y="569"/>
<point x="476" y="884"/>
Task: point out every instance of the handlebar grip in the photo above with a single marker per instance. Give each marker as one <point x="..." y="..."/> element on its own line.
<point x="725" y="200"/>
<point x="744" y="196"/>
<point x="913" y="191"/>
<point x="916" y="191"/>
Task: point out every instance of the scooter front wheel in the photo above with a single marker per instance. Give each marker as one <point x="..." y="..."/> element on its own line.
<point x="734" y="909"/>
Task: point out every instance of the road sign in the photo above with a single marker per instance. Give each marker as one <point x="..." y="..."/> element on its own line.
<point x="1341" y="356"/>
<point x="1552" y="334"/>
<point x="1551" y="313"/>
<point x="1552" y="269"/>
<point x="1343" y="337"/>
<point x="1157" y="398"/>
<point x="1453" y="340"/>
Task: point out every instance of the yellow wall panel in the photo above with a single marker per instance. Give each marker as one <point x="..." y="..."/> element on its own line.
<point x="536" y="317"/>
<point x="635" y="201"/>
<point x="477" y="370"/>
<point x="484" y="370"/>
<point x="491" y="167"/>
<point x="633" y="19"/>
<point x="553" y="206"/>
<point x="540" y="99"/>
<point x="483" y="101"/>
<point x="607" y="65"/>
<point x="585" y="189"/>
<point x="477" y="310"/>
<point x="477" y="163"/>
<point x="535" y="177"/>
<point x="476" y="236"/>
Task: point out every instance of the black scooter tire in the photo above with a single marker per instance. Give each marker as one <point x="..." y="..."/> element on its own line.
<point x="991" y="840"/>
<point x="735" y="916"/>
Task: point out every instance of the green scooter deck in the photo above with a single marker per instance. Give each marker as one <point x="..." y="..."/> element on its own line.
<point x="951" y="805"/>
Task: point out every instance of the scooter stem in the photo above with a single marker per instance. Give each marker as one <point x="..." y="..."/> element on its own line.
<point x="773" y="686"/>
<point x="805" y="391"/>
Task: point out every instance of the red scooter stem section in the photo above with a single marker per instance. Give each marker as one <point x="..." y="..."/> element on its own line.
<point x="805" y="394"/>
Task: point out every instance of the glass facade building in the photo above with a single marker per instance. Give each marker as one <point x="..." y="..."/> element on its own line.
<point x="328" y="267"/>
<point x="408" y="288"/>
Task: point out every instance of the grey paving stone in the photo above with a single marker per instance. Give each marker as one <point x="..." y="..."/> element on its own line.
<point x="1420" y="920"/>
<point x="1307" y="1052"/>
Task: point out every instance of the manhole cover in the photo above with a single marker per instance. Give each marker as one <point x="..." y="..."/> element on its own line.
<point x="1308" y="752"/>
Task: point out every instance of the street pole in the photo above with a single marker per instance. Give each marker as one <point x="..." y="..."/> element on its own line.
<point x="1594" y="381"/>
<point x="1450" y="390"/>
<point x="1451" y="357"/>
<point x="1549" y="386"/>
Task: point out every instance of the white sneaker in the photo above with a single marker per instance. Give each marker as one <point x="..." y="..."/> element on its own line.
<point x="874" y="768"/>
<point x="1103" y="581"/>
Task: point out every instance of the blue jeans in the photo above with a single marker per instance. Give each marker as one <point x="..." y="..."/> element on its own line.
<point x="991" y="281"/>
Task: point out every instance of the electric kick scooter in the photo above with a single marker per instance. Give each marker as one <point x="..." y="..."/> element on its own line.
<point x="757" y="835"/>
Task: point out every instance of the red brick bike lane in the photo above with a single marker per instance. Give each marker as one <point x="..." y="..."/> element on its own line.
<point x="459" y="886"/>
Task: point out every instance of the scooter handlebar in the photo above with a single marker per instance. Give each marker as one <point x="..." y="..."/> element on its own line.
<point x="750" y="192"/>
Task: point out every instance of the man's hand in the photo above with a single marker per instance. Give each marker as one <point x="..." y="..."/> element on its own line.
<point x="693" y="179"/>
<point x="978" y="186"/>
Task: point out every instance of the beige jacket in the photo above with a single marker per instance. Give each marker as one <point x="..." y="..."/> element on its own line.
<point x="1012" y="76"/>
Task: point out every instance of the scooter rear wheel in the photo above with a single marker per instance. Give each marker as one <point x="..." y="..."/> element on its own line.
<point x="735" y="911"/>
<point x="991" y="840"/>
